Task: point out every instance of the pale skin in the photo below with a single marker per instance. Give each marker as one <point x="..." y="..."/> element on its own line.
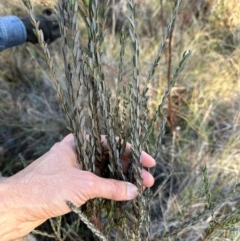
<point x="40" y="191"/>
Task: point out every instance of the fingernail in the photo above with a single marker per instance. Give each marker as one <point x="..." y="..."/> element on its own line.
<point x="131" y="191"/>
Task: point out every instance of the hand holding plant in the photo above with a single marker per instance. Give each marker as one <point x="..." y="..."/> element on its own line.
<point x="41" y="190"/>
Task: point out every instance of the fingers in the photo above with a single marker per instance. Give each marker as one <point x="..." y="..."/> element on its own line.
<point x="148" y="179"/>
<point x="119" y="190"/>
<point x="114" y="190"/>
<point x="69" y="140"/>
<point x="147" y="160"/>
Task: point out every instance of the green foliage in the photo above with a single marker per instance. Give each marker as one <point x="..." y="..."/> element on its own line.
<point x="85" y="70"/>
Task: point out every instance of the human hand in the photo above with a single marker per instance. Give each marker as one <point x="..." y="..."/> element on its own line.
<point x="48" y="24"/>
<point x="40" y="191"/>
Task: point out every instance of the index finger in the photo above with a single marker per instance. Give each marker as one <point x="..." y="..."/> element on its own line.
<point x="146" y="159"/>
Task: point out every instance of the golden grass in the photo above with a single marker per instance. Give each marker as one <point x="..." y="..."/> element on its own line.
<point x="206" y="109"/>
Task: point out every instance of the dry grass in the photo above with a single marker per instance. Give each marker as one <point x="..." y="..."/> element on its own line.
<point x="206" y="109"/>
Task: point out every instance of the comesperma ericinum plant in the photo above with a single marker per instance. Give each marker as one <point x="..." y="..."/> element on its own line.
<point x="125" y="117"/>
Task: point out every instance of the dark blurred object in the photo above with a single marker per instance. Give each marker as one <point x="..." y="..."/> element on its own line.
<point x="48" y="24"/>
<point x="1" y="155"/>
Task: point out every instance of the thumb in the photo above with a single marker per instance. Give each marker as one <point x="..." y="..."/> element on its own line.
<point x="115" y="190"/>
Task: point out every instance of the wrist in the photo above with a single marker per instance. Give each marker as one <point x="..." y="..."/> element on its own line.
<point x="15" y="33"/>
<point x="30" y="35"/>
<point x="14" y="221"/>
<point x="8" y="221"/>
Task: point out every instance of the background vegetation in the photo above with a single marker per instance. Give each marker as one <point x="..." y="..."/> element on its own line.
<point x="201" y="144"/>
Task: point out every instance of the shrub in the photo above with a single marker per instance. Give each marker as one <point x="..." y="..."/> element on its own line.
<point x="126" y="116"/>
